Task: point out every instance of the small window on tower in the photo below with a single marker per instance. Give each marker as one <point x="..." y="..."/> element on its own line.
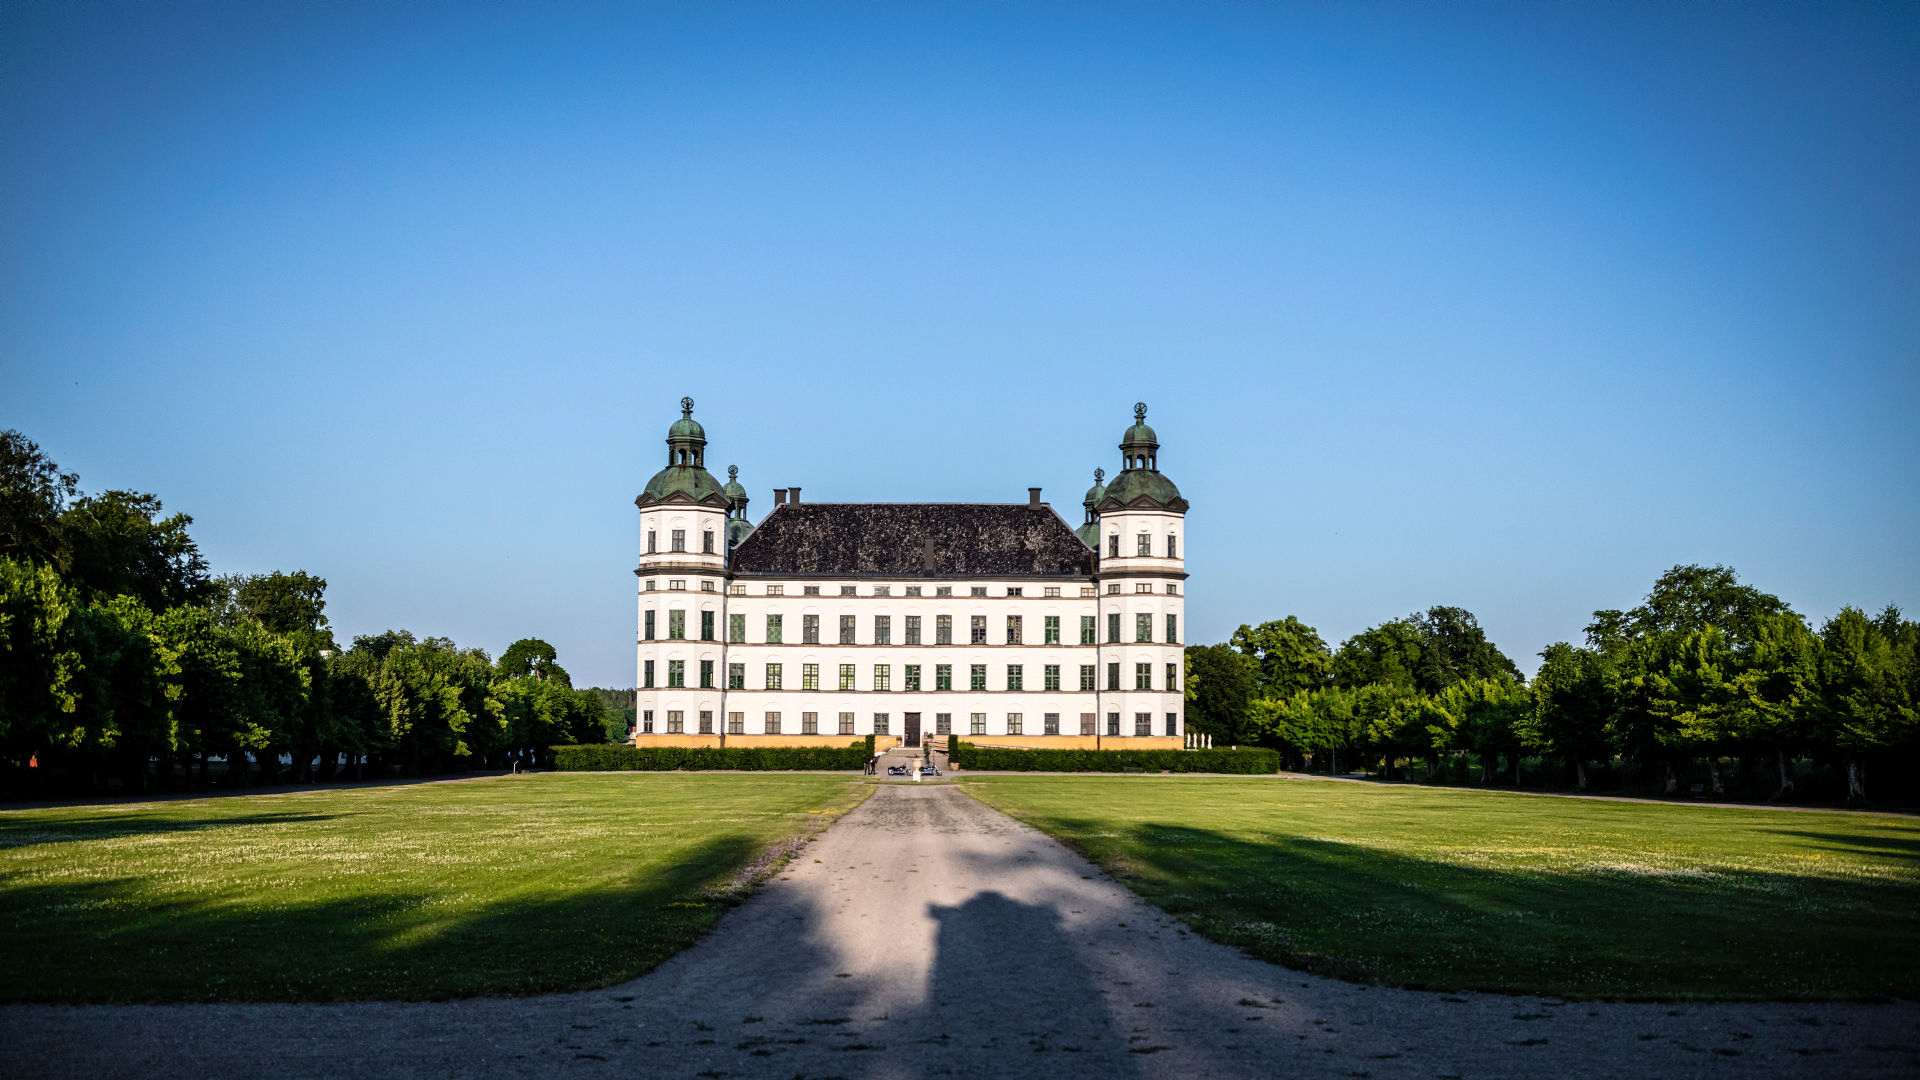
<point x="706" y="542"/>
<point x="652" y="541"/>
<point x="1113" y="546"/>
<point x="1143" y="545"/>
<point x="679" y="539"/>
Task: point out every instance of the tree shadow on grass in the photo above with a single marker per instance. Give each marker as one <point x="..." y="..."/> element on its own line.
<point x="1608" y="927"/>
<point x="1905" y="842"/>
<point x="119" y="940"/>
<point x="30" y="832"/>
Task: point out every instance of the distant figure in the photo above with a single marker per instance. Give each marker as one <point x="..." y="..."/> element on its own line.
<point x="915" y="766"/>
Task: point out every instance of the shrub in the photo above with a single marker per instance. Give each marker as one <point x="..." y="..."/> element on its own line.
<point x="1248" y="760"/>
<point x="670" y="758"/>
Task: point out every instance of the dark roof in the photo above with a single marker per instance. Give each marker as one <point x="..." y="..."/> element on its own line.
<point x="914" y="540"/>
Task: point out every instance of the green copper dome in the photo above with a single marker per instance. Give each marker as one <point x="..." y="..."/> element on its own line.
<point x="1141" y="478"/>
<point x="1140" y="436"/>
<point x="685" y="479"/>
<point x="1097" y="492"/>
<point x="736" y="494"/>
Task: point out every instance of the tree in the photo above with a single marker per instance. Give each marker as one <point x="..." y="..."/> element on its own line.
<point x="1685" y="599"/>
<point x="1774" y="687"/>
<point x="1866" y="687"/>
<point x="1379" y="718"/>
<point x="117" y="545"/>
<point x="1572" y="700"/>
<point x="1454" y="648"/>
<point x="291" y="604"/>
<point x="1290" y="654"/>
<point x="33" y="493"/>
<point x="1387" y="654"/>
<point x="532" y="657"/>
<point x="1220" y="684"/>
<point x="39" y="661"/>
<point x="1487" y="715"/>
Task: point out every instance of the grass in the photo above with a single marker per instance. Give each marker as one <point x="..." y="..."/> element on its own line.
<point x="1464" y="890"/>
<point x="509" y="885"/>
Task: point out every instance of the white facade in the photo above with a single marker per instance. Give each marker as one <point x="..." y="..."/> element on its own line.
<point x="726" y="652"/>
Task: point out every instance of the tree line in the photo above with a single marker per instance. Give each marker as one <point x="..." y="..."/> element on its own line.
<point x="1705" y="672"/>
<point x="122" y="656"/>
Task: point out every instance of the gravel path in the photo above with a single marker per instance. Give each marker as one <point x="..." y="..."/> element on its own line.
<point x="928" y="935"/>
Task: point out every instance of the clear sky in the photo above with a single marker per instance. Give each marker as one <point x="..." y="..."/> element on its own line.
<point x="1504" y="306"/>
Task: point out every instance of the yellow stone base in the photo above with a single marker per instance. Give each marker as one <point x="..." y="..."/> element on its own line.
<point x="1075" y="742"/>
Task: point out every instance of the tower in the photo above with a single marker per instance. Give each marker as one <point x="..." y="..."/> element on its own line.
<point x="1142" y="525"/>
<point x="682" y="570"/>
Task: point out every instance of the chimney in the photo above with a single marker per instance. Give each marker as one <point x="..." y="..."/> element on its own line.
<point x="1033" y="498"/>
<point x="779" y="496"/>
<point x="793" y="496"/>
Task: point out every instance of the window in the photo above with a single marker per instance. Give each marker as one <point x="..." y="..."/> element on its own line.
<point x="1113" y="546"/>
<point x="679" y="539"/>
<point x="943" y="676"/>
<point x="646" y="721"/>
<point x="809" y="676"/>
<point x="1014" y="631"/>
<point x="706" y="626"/>
<point x="1143" y="723"/>
<point x="943" y="590"/>
<point x="978" y="590"/>
<point x="1013" y="591"/>
<point x="651" y="546"/>
<point x="1173" y="718"/>
<point x="652" y="585"/>
<point x="1086" y="679"/>
<point x="810" y="590"/>
<point x="773" y="676"/>
<point x="706" y="542"/>
<point x="977" y="723"/>
<point x="846" y="629"/>
<point x="676" y="673"/>
<point x="846" y="723"/>
<point x="1113" y="678"/>
<point x="883" y="629"/>
<point x="1113" y="626"/>
<point x="1113" y="723"/>
<point x="1087" y="623"/>
<point x="736" y="723"/>
<point x="647" y="622"/>
<point x="1173" y="552"/>
<point x="883" y="676"/>
<point x="978" y="675"/>
<point x="1173" y="588"/>
<point x="647" y="679"/>
<point x="810" y="629"/>
<point x="1050" y="630"/>
<point x="737" y="629"/>
<point x="1143" y="627"/>
<point x="979" y="627"/>
<point x="776" y="590"/>
<point x="1143" y="586"/>
<point x="706" y="586"/>
<point x="1087" y="722"/>
<point x="809" y="723"/>
<point x="1013" y="723"/>
<point x="912" y="679"/>
<point x="913" y="629"/>
<point x="773" y="629"/>
<point x="913" y="590"/>
<point x="1015" y="677"/>
<point x="1173" y="677"/>
<point x="736" y="589"/>
<point x="943" y="723"/>
<point x="1143" y="676"/>
<point x="1050" y="724"/>
<point x="1089" y="590"/>
<point x="943" y="630"/>
<point x="1052" y="675"/>
<point x="880" y="724"/>
<point x="736" y="676"/>
<point x="772" y="724"/>
<point x="849" y="590"/>
<point x="1173" y="629"/>
<point x="676" y="625"/>
<point x="706" y="674"/>
<point x="677" y="584"/>
<point x="706" y="721"/>
<point x="1143" y="545"/>
<point x="1053" y="590"/>
<point x="846" y="677"/>
<point x="676" y="722"/>
<point x="883" y="590"/>
<point x="1113" y="589"/>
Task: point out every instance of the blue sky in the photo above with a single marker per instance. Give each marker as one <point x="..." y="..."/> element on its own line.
<point x="1504" y="306"/>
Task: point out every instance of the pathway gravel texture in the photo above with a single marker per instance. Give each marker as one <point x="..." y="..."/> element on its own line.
<point x="926" y="935"/>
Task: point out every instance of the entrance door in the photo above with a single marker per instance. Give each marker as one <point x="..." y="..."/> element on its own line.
<point x="913" y="729"/>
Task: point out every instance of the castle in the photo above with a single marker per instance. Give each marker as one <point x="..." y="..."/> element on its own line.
<point x="826" y="622"/>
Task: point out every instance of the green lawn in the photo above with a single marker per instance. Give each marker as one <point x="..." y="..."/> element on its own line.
<point x="500" y="885"/>
<point x="1458" y="890"/>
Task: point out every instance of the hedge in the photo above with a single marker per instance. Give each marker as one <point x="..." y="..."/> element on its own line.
<point x="622" y="758"/>
<point x="1248" y="760"/>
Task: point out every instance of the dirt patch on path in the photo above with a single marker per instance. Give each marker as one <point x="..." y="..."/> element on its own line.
<point x="928" y="935"/>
